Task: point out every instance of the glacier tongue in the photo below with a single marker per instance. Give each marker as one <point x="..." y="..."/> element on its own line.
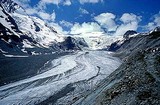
<point x="84" y="70"/>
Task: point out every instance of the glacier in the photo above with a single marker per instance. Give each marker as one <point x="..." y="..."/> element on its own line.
<point x="83" y="69"/>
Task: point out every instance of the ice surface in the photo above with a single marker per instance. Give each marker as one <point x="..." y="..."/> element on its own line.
<point x="65" y="70"/>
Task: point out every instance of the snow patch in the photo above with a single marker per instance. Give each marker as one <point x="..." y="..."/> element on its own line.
<point x="14" y="55"/>
<point x="3" y="51"/>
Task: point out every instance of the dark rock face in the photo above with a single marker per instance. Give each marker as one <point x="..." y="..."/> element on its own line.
<point x="9" y="42"/>
<point x="114" y="46"/>
<point x="128" y="33"/>
<point x="71" y="43"/>
<point x="155" y="32"/>
<point x="37" y="28"/>
<point x="157" y="29"/>
<point x="10" y="20"/>
<point x="117" y="45"/>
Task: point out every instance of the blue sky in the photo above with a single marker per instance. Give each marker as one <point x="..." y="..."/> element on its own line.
<point x="111" y="17"/>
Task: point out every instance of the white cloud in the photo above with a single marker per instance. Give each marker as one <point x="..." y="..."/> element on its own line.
<point x="83" y="11"/>
<point x="130" y="22"/>
<point x="31" y="11"/>
<point x="154" y="23"/>
<point x="106" y="20"/>
<point x="55" y="1"/>
<point x="67" y="2"/>
<point x="85" y="28"/>
<point x="39" y="9"/>
<point x="58" y="28"/>
<point x="157" y="20"/>
<point x="46" y="16"/>
<point x="150" y="26"/>
<point x="42" y="3"/>
<point x="129" y="17"/>
<point x="90" y="1"/>
<point x="23" y="3"/>
<point x="51" y="1"/>
<point x="53" y="16"/>
<point x="66" y="23"/>
<point x="125" y="27"/>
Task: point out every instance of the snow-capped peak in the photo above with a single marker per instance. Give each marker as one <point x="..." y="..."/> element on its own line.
<point x="157" y="29"/>
<point x="98" y="40"/>
<point x="11" y="7"/>
<point x="29" y="25"/>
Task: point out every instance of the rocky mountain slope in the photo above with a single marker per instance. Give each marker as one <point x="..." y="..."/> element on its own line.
<point x="24" y="34"/>
<point x="137" y="80"/>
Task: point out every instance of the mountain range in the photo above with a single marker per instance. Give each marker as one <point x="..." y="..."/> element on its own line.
<point x="24" y="34"/>
<point x="39" y="65"/>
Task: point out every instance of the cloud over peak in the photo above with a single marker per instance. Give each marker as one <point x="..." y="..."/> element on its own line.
<point x="46" y="16"/>
<point x="106" y="20"/>
<point x="155" y="22"/>
<point x="42" y="3"/>
<point x="129" y="17"/>
<point x="85" y="28"/>
<point x="66" y="24"/>
<point x="129" y="21"/>
<point x="90" y="1"/>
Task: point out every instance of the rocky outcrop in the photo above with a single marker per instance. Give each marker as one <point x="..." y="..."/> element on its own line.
<point x="114" y="46"/>
<point x="127" y="36"/>
<point x="71" y="43"/>
<point x="129" y="33"/>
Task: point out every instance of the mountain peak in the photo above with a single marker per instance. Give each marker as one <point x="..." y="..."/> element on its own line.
<point x="128" y="33"/>
<point x="9" y="5"/>
<point x="157" y="29"/>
